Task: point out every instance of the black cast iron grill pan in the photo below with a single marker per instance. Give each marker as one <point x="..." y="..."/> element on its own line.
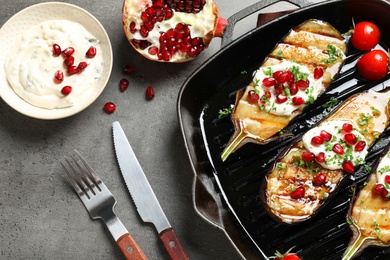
<point x="227" y="194"/>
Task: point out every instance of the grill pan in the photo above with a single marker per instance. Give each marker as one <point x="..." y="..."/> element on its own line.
<point x="227" y="194"/>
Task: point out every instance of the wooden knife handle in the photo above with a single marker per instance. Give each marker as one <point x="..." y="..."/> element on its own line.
<point x="130" y="248"/>
<point x="172" y="245"/>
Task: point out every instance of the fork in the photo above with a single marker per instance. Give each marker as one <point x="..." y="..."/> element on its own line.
<point x="99" y="202"/>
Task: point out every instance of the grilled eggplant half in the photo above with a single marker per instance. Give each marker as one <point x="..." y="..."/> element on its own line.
<point x="294" y="74"/>
<point x="310" y="171"/>
<point x="369" y="215"/>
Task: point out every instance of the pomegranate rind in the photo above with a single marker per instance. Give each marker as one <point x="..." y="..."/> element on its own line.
<point x="203" y="25"/>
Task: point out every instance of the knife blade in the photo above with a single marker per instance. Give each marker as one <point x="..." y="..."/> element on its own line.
<point x="144" y="198"/>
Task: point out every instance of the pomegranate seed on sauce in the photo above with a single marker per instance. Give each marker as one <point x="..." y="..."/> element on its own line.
<point x="123" y="84"/>
<point x="387" y="179"/>
<point x="268" y="82"/>
<point x="326" y="136"/>
<point x="66" y="90"/>
<point x="72" y="70"/>
<point x="320" y="158"/>
<point x="350" y="139"/>
<point x="307" y="156"/>
<point x="109" y="107"/>
<point x="298" y="101"/>
<point x="91" y="52"/>
<point x="149" y="93"/>
<point x="360" y="146"/>
<point x="82" y="65"/>
<point x="318" y="73"/>
<point x="293" y="88"/>
<point x="298" y="193"/>
<point x="59" y="75"/>
<point x="338" y="149"/>
<point x="347" y="128"/>
<point x="317" y="141"/>
<point x="281" y="98"/>
<point x="302" y="84"/>
<point x="68" y="51"/>
<point x="253" y="97"/>
<point x="319" y="179"/>
<point x="348" y="166"/>
<point x="56" y="49"/>
<point x="69" y="61"/>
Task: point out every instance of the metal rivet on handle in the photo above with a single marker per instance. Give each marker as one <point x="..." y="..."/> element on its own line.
<point x="130" y="249"/>
<point x="172" y="243"/>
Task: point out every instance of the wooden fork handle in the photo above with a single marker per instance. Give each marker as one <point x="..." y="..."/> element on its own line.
<point x="172" y="244"/>
<point x="130" y="248"/>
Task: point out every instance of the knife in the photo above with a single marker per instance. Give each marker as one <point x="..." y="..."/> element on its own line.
<point x="144" y="198"/>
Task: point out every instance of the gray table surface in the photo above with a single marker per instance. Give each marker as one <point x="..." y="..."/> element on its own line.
<point x="40" y="215"/>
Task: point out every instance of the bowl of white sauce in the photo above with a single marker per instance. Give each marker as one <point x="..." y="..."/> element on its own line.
<point x="29" y="67"/>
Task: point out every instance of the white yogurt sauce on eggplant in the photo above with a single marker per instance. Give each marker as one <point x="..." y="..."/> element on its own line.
<point x="334" y="161"/>
<point x="287" y="108"/>
<point x="31" y="65"/>
<point x="383" y="169"/>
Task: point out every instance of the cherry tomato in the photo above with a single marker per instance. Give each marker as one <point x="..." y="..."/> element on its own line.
<point x="373" y="65"/>
<point x="365" y="36"/>
<point x="290" y="257"/>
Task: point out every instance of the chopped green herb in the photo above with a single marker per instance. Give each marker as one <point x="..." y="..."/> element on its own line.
<point x="330" y="104"/>
<point x="225" y="111"/>
<point x="279" y="54"/>
<point x="333" y="53"/>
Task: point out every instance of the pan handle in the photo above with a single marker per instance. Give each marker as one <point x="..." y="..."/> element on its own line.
<point x="232" y="20"/>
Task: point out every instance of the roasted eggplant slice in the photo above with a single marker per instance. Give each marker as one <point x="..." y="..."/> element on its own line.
<point x="308" y="173"/>
<point x="369" y="215"/>
<point x="295" y="73"/>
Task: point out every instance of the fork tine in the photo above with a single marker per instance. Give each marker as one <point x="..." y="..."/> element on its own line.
<point x="72" y="179"/>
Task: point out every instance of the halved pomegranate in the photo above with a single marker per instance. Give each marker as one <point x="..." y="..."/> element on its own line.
<point x="171" y="30"/>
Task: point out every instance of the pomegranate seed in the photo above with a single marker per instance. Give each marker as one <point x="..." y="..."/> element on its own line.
<point x="69" y="61"/>
<point x="123" y="84"/>
<point x="360" y="146"/>
<point x="56" y="49"/>
<point x="132" y="27"/>
<point x="268" y="82"/>
<point x="350" y="139"/>
<point x="253" y="97"/>
<point x="298" y="193"/>
<point x="149" y="93"/>
<point x="72" y="70"/>
<point x="318" y="73"/>
<point x="66" y="90"/>
<point x="325" y="135"/>
<point x="279" y="89"/>
<point x="348" y="166"/>
<point x="68" y="51"/>
<point x="302" y="84"/>
<point x="387" y="179"/>
<point x="91" y="52"/>
<point x="82" y="65"/>
<point x="59" y="75"/>
<point x="293" y="88"/>
<point x="317" y="141"/>
<point x="128" y="69"/>
<point x="153" y="50"/>
<point x="347" y="128"/>
<point x="281" y="98"/>
<point x="378" y="188"/>
<point x="319" y="179"/>
<point x="320" y="158"/>
<point x="307" y="156"/>
<point x="285" y="76"/>
<point x="338" y="149"/>
<point x="297" y="101"/>
<point x="144" y="17"/>
<point x="276" y="74"/>
<point x="109" y="107"/>
<point x="265" y="97"/>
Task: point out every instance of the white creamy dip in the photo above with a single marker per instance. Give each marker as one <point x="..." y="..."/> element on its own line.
<point x="334" y="161"/>
<point x="383" y="169"/>
<point x="31" y="65"/>
<point x="287" y="108"/>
